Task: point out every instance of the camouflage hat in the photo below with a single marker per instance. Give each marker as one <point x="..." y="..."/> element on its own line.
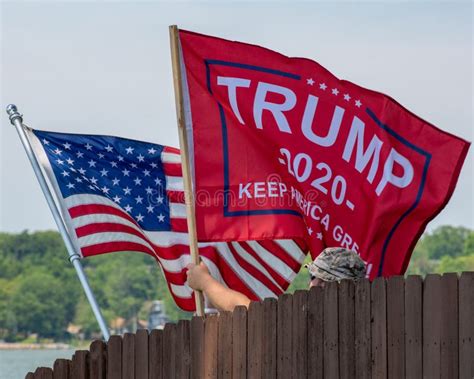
<point x="336" y="263"/>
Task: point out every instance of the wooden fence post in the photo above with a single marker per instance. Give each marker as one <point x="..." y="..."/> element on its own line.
<point x="269" y="338"/>
<point x="80" y="364"/>
<point x="128" y="356"/>
<point x="141" y="354"/>
<point x="197" y="347"/>
<point x="346" y="329"/>
<point x="300" y="333"/>
<point x="224" y="345"/>
<point x="466" y="325"/>
<point x="284" y="339"/>
<point x="254" y="340"/>
<point x="396" y="327"/>
<point x="169" y="351"/>
<point x="239" y="343"/>
<point x="114" y="357"/>
<point x="431" y="326"/>
<point x="413" y="327"/>
<point x="449" y="326"/>
<point x="43" y="373"/>
<point x="62" y="369"/>
<point x="362" y="325"/>
<point x="183" y="361"/>
<point x="155" y="354"/>
<point x="379" y="328"/>
<point x="315" y="350"/>
<point x="331" y="331"/>
<point x="97" y="360"/>
<point x="210" y="347"/>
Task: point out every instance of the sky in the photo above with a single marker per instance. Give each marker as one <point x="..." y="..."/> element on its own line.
<point x="105" y="68"/>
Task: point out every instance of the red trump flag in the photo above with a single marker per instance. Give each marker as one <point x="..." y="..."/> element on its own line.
<point x="281" y="148"/>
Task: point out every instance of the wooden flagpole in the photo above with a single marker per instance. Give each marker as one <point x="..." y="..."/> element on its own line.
<point x="183" y="142"/>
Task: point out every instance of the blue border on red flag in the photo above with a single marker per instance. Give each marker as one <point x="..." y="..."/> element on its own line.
<point x="254" y="212"/>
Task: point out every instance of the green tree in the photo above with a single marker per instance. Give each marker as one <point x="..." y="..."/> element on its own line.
<point x="40" y="304"/>
<point x="456" y="264"/>
<point x="446" y="240"/>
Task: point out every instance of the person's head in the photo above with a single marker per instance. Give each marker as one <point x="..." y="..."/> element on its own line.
<point x="334" y="264"/>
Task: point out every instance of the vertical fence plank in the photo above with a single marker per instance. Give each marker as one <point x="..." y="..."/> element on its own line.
<point x="141" y="354"/>
<point x="379" y="328"/>
<point x="346" y="329"/>
<point x="269" y="338"/>
<point x="128" y="356"/>
<point x="97" y="360"/>
<point x="300" y="333"/>
<point x="466" y="325"/>
<point x="254" y="341"/>
<point x="314" y="364"/>
<point x="413" y="327"/>
<point x="80" y="364"/>
<point x="197" y="347"/>
<point x="431" y="326"/>
<point x="210" y="347"/>
<point x="224" y="345"/>
<point x="169" y="350"/>
<point x="284" y="340"/>
<point x="183" y="361"/>
<point x="331" y="331"/>
<point x="239" y="343"/>
<point x="43" y="373"/>
<point x="396" y="327"/>
<point x="62" y="369"/>
<point x="155" y="354"/>
<point x="449" y="326"/>
<point x="362" y="325"/>
<point x="178" y="352"/>
<point x="114" y="357"/>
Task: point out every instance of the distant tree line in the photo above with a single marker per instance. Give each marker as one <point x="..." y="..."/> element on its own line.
<point x="40" y="293"/>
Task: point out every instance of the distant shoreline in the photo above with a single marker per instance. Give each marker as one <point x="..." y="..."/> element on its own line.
<point x="34" y="346"/>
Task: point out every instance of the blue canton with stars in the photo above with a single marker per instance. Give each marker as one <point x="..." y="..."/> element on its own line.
<point x="129" y="173"/>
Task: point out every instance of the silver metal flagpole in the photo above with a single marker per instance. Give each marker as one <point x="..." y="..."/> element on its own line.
<point x="17" y="120"/>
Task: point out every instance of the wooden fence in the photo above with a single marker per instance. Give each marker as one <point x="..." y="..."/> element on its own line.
<point x="400" y="327"/>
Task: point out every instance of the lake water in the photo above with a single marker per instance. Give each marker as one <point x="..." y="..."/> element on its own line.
<point x="15" y="364"/>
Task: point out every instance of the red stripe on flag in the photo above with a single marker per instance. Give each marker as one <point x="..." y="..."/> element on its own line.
<point x="274" y="248"/>
<point x="179" y="225"/>
<point x="275" y="275"/>
<point x="176" y="196"/>
<point x="87" y="209"/>
<point x="257" y="274"/>
<point x="173" y="169"/>
<point x="112" y="247"/>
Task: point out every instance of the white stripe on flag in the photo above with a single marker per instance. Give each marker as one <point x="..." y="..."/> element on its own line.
<point x="276" y="263"/>
<point x="174" y="183"/>
<point x="94" y="239"/>
<point x="183" y="292"/>
<point x="170" y="157"/>
<point x="292" y="248"/>
<point x="177" y="210"/>
<point x="253" y="262"/>
<point x="252" y="283"/>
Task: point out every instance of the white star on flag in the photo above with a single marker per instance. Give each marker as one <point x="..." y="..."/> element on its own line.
<point x="310" y="81"/>
<point x="335" y="91"/>
<point x="323" y="86"/>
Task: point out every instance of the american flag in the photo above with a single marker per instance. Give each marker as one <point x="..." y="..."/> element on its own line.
<point x="117" y="194"/>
